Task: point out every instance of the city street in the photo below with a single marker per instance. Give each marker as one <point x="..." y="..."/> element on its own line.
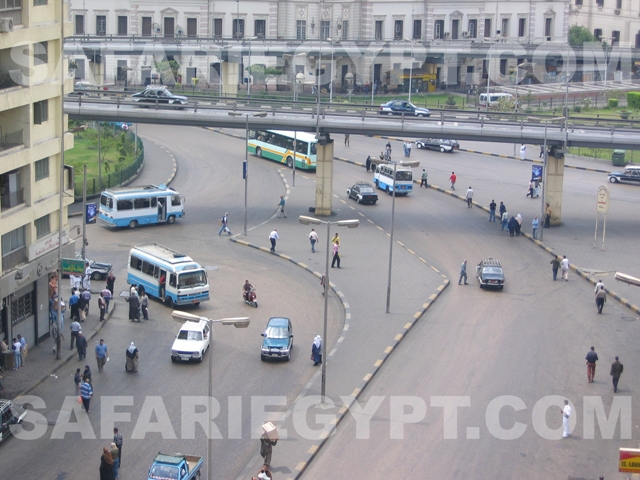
<point x="527" y="341"/>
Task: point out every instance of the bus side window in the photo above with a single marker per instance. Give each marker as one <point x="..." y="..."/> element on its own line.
<point x="147" y="268"/>
<point x="125" y="205"/>
<point x="136" y="263"/>
<point x="175" y="201"/>
<point x="139" y="203"/>
<point x="156" y="272"/>
<point x="154" y="202"/>
<point x="172" y="280"/>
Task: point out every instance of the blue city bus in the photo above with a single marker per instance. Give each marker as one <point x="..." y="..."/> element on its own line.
<point x="167" y="275"/>
<point x="144" y="205"/>
<point x="383" y="179"/>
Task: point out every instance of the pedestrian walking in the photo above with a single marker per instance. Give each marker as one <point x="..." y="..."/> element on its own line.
<point x="134" y="307"/>
<point x="131" y="354"/>
<point x="547" y="218"/>
<point x="313" y="238"/>
<point x="512" y="226"/>
<point x="335" y="239"/>
<point x="463" y="273"/>
<point x="281" y="207"/>
<point x="346" y="139"/>
<point x="531" y="187"/>
<point x="273" y="237"/>
<point x="86" y="280"/>
<point x="523" y="150"/>
<point x="111" y="282"/>
<point x="591" y="358"/>
<point x="469" y="197"/>
<point x="518" y="224"/>
<point x="323" y="280"/>
<point x="24" y="350"/>
<point x="102" y="354"/>
<point x="86" y="296"/>
<point x="118" y="440"/>
<point x="106" y="294"/>
<point x="505" y="220"/>
<point x="566" y="414"/>
<point x="616" y="371"/>
<point x="316" y="351"/>
<point x="502" y="209"/>
<point x="367" y="163"/>
<point x="144" y="305"/>
<point x="388" y="147"/>
<point x="452" y="179"/>
<point x="266" y="448"/>
<point x="106" y="465"/>
<point x="81" y="346"/>
<point x="409" y="148"/>
<point x="535" y="224"/>
<point x="492" y="211"/>
<point x="55" y="332"/>
<point x="598" y="285"/>
<point x="102" y="305"/>
<point x="86" y="375"/>
<point x="336" y="255"/>
<point x="601" y="298"/>
<point x="86" y="393"/>
<point x="75" y="328"/>
<point x="555" y="265"/>
<point x="423" y="179"/>
<point x="541" y="151"/>
<point x="564" y="265"/>
<point x="264" y="474"/>
<point x="77" y="380"/>
<point x="116" y="463"/>
<point x="224" y="224"/>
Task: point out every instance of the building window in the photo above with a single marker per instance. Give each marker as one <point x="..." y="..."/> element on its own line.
<point x="522" y="27"/>
<point x="169" y="27"/>
<point x="146" y="26"/>
<point x="325" y="29"/>
<point x="619" y="4"/>
<point x="579" y="3"/>
<point x="217" y="28"/>
<point x="600" y="3"/>
<point x="11" y="191"/>
<point x="379" y="30"/>
<point x="43" y="226"/>
<point x="417" y="29"/>
<point x="122" y="25"/>
<point x="101" y="25"/>
<point x="79" y="24"/>
<point x="36" y="3"/>
<point x="597" y="33"/>
<point x="548" y="27"/>
<point x="42" y="169"/>
<point x="503" y="66"/>
<point x="192" y="27"/>
<point x="22" y="308"/>
<point x="301" y="29"/>
<point x="473" y="28"/>
<point x="260" y="28"/>
<point x="398" y="26"/>
<point x="345" y="29"/>
<point x="455" y="27"/>
<point x="14" y="250"/>
<point x="438" y="29"/>
<point x="41" y="53"/>
<point x="615" y="38"/>
<point x="238" y="28"/>
<point x="487" y="28"/>
<point x="40" y="112"/>
<point x="505" y="27"/>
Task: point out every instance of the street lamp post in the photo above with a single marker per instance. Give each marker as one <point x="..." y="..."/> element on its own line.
<point x="318" y="74"/>
<point x="341" y="223"/>
<point x="413" y="43"/>
<point x="238" y="322"/>
<point x="249" y="68"/>
<point x="331" y="80"/>
<point x="246" y="157"/>
<point x="393" y="211"/>
<point x="373" y="72"/>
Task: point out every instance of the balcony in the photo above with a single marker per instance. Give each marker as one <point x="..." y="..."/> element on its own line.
<point x="11" y="140"/>
<point x="13" y="259"/>
<point x="11" y="199"/>
<point x="11" y="9"/>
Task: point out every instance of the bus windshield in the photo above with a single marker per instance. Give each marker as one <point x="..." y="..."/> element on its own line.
<point x="404" y="176"/>
<point x="197" y="278"/>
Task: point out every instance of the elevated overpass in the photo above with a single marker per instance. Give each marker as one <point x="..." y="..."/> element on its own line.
<point x="363" y="120"/>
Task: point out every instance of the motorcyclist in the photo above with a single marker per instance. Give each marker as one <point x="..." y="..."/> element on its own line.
<point x="247" y="288"/>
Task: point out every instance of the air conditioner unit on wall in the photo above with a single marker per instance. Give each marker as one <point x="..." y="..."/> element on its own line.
<point x="6" y="25"/>
<point x="465" y="34"/>
<point x="616" y="11"/>
<point x="447" y="35"/>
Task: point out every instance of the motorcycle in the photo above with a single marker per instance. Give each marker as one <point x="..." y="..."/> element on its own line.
<point x="250" y="297"/>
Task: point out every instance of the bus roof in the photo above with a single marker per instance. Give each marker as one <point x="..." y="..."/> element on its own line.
<point x="163" y="253"/>
<point x="302" y="136"/>
<point x="141" y="190"/>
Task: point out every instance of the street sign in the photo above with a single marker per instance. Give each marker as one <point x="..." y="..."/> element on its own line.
<point x="72" y="266"/>
<point x="602" y="205"/>
<point x="629" y="460"/>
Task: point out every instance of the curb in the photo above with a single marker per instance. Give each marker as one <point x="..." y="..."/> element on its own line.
<point x="70" y="355"/>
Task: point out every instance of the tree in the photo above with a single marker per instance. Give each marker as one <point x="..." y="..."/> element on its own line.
<point x="168" y="71"/>
<point x="107" y="141"/>
<point x="579" y="35"/>
<point x="262" y="73"/>
<point x="633" y="101"/>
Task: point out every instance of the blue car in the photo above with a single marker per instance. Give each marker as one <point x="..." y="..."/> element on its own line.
<point x="277" y="340"/>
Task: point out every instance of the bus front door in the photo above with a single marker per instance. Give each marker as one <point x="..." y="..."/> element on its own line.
<point x="162" y="210"/>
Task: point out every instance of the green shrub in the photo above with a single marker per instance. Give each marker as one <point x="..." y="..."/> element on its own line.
<point x="577" y="108"/>
<point x="613" y="103"/>
<point x="451" y="101"/>
<point x="624" y="114"/>
<point x="633" y="100"/>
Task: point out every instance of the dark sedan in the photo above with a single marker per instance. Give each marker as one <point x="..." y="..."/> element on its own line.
<point x="630" y="174"/>
<point x="363" y="192"/>
<point x="159" y="95"/>
<point x="441" y="144"/>
<point x="399" y="107"/>
<point x="12" y="416"/>
<point x="490" y="274"/>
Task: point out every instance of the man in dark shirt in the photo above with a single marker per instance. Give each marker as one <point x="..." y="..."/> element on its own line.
<point x="592" y="358"/>
<point x="616" y="371"/>
<point x="555" y="265"/>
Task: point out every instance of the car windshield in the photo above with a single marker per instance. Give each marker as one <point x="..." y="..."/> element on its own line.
<point x="404" y="176"/>
<point x="276" y="332"/>
<point x="163" y="472"/>
<point x="492" y="270"/>
<point x="189" y="335"/>
<point x="197" y="278"/>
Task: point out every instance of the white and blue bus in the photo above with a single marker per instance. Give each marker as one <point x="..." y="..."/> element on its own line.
<point x="145" y="205"/>
<point x="167" y="275"/>
<point x="383" y="179"/>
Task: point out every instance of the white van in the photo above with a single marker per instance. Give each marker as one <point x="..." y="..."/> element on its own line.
<point x="492" y="99"/>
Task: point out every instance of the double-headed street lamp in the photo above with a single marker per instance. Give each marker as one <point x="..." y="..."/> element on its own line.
<point x="393" y="211"/>
<point x="341" y="223"/>
<point x="413" y="43"/>
<point x="245" y="171"/>
<point x="238" y="322"/>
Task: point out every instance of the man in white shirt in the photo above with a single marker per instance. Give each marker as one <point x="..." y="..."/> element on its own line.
<point x="566" y="413"/>
<point x="273" y="236"/>
<point x="598" y="285"/>
<point x="469" y="197"/>
<point x="313" y="238"/>
<point x="564" y="266"/>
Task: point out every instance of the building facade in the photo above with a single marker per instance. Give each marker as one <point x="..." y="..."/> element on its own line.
<point x="31" y="129"/>
<point x="367" y="29"/>
<point x="616" y="22"/>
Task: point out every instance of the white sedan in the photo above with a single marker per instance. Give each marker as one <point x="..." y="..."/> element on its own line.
<point x="192" y="341"/>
